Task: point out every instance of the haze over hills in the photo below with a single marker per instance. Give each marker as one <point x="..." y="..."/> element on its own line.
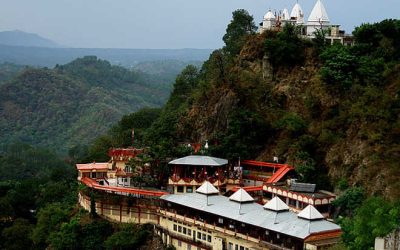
<point x="49" y="57"/>
<point x="21" y="38"/>
<point x="23" y="48"/>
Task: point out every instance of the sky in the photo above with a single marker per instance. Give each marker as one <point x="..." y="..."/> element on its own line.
<point x="168" y="24"/>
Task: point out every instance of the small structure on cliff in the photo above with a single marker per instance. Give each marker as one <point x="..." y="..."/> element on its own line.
<point x="317" y="20"/>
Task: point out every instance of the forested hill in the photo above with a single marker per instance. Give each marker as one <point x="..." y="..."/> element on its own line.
<point x="72" y="104"/>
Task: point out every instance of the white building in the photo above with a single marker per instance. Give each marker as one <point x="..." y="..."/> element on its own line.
<point x="317" y="20"/>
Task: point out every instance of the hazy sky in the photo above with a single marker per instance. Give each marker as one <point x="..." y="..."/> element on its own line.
<point x="163" y="23"/>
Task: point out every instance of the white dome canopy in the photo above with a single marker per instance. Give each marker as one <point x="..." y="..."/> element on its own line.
<point x="269" y="16"/>
<point x="297" y="13"/>
<point x="285" y="15"/>
<point x="318" y="14"/>
<point x="310" y="213"/>
<point x="207" y="188"/>
<point x="276" y="205"/>
<point x="241" y="196"/>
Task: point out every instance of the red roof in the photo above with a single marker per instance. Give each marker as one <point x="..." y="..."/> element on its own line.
<point x="124" y="152"/>
<point x="120" y="172"/>
<point x="282" y="169"/>
<point x="324" y="235"/>
<point x="93" y="184"/>
<point x="92" y="166"/>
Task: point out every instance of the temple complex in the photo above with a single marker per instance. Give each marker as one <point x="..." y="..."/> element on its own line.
<point x="211" y="203"/>
<point x="317" y="20"/>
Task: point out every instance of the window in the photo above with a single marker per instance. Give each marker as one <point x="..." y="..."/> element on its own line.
<point x="236" y="247"/>
<point x="199" y="235"/>
<point x="220" y="220"/>
<point x="189" y="232"/>
<point x="184" y="230"/>
<point x="174" y="227"/>
<point x="230" y="246"/>
<point x="189" y="247"/>
<point x="179" y="243"/>
<point x="179" y="189"/>
<point x="241" y="248"/>
<point x="204" y="237"/>
<point x="189" y="190"/>
<point x="209" y="238"/>
<point x="180" y="229"/>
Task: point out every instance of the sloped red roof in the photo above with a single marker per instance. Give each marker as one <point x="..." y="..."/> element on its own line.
<point x="124" y="152"/>
<point x="120" y="172"/>
<point x="92" y="166"/>
<point x="93" y="184"/>
<point x="324" y="235"/>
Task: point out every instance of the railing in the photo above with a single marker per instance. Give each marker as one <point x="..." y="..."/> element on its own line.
<point x="208" y="226"/>
<point x="198" y="182"/>
<point x="125" y="191"/>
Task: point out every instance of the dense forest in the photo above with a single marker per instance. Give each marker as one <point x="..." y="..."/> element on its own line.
<point x="73" y="103"/>
<point x="329" y="110"/>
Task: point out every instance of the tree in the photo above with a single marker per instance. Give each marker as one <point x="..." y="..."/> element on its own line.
<point x="347" y="203"/>
<point x="339" y="68"/>
<point x="67" y="237"/>
<point x="49" y="219"/>
<point x="305" y="167"/>
<point x="375" y="218"/>
<point x="128" y="237"/>
<point x="286" y="49"/>
<point x="17" y="236"/>
<point x="240" y="27"/>
<point x="93" y="212"/>
<point x="94" y="234"/>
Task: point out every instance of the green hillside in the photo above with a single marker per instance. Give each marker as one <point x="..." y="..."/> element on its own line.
<point x="72" y="104"/>
<point x="8" y="71"/>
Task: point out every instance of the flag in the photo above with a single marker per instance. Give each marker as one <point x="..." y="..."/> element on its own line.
<point x="133" y="136"/>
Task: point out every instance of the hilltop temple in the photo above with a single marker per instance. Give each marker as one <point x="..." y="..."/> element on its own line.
<point x="317" y="20"/>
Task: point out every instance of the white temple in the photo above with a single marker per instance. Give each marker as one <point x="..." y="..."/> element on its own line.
<point x="318" y="19"/>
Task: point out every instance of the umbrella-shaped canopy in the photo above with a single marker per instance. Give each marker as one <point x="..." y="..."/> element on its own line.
<point x="199" y="160"/>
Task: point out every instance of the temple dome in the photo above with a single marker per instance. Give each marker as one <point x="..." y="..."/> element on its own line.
<point x="297" y="13"/>
<point x="310" y="213"/>
<point x="269" y="16"/>
<point x="285" y="15"/>
<point x="241" y="196"/>
<point x="207" y="188"/>
<point x="276" y="205"/>
<point x="318" y="14"/>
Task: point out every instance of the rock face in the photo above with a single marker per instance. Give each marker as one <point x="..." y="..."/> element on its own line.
<point x="290" y="112"/>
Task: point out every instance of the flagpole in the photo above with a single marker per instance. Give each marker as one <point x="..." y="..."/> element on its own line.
<point x="133" y="137"/>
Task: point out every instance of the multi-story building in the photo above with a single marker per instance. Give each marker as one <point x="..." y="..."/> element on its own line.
<point x="195" y="214"/>
<point x="189" y="172"/>
<point x="207" y="220"/>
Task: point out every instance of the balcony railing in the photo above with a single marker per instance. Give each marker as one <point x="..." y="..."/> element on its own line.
<point x="198" y="182"/>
